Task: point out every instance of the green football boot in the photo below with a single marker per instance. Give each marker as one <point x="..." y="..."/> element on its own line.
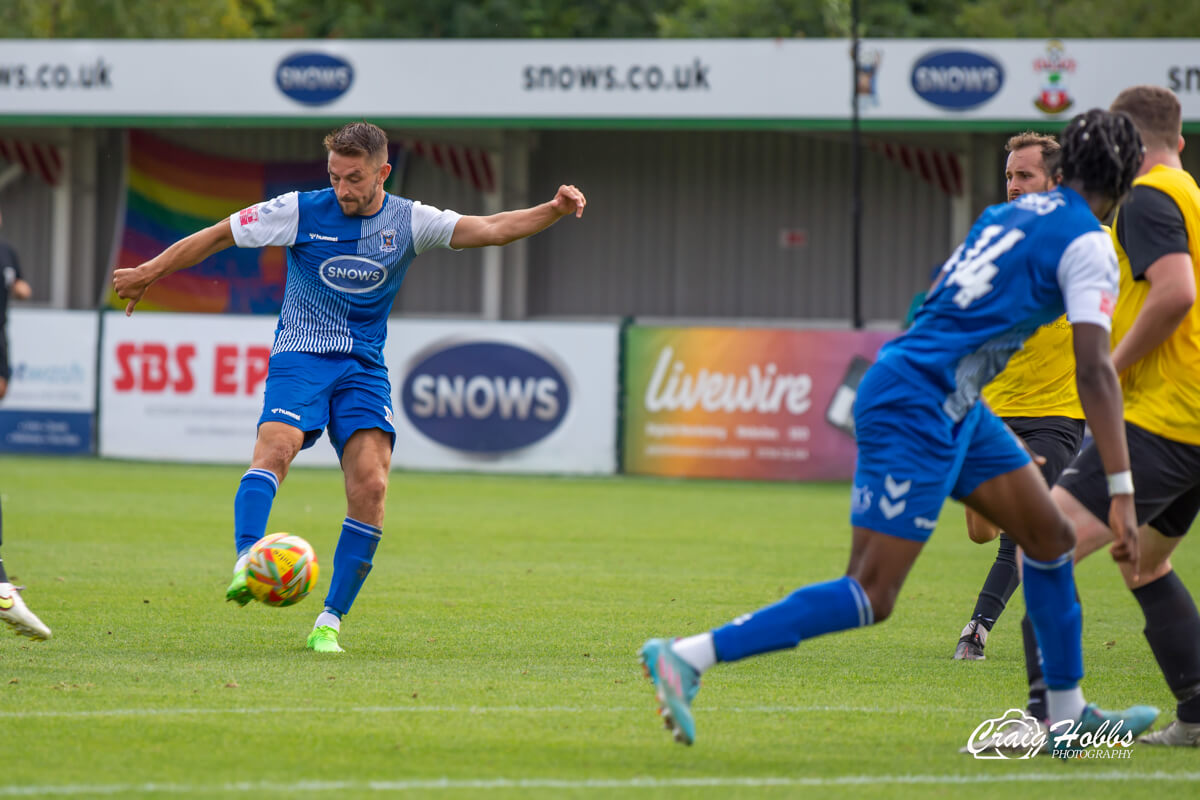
<point x="238" y="591"/>
<point x="323" y="639"/>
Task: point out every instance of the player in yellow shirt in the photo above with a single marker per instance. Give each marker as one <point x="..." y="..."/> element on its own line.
<point x="1035" y="396"/>
<point x="1156" y="332"/>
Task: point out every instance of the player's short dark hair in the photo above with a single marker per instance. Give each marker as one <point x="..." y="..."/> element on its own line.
<point x="1156" y="112"/>
<point x="358" y="139"/>
<point x="1048" y="145"/>
<point x="1102" y="150"/>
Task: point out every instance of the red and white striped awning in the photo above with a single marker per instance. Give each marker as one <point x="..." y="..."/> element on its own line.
<point x="941" y="168"/>
<point x="470" y="164"/>
<point x="36" y="158"/>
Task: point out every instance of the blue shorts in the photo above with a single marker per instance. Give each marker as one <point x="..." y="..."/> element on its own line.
<point x="911" y="455"/>
<point x="312" y="392"/>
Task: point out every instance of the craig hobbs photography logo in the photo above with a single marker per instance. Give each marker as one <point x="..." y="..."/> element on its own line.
<point x="1015" y="735"/>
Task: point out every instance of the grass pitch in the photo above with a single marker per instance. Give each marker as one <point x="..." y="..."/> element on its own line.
<point x="492" y="651"/>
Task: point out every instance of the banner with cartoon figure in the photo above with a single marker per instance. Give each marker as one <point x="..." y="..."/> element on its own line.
<point x="769" y="404"/>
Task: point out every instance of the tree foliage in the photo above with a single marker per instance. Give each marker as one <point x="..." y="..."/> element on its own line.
<point x="438" y="19"/>
<point x="1081" y="19"/>
<point x="133" y="19"/>
<point x="431" y="19"/>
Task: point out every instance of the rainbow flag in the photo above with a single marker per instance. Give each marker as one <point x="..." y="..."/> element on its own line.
<point x="173" y="192"/>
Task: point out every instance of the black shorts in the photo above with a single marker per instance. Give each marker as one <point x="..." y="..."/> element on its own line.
<point x="1166" y="481"/>
<point x="1055" y="439"/>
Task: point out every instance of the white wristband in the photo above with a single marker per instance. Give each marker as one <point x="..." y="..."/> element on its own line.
<point x="1120" y="483"/>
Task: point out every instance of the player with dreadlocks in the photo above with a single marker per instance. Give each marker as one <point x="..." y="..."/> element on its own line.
<point x="923" y="436"/>
<point x="1156" y="333"/>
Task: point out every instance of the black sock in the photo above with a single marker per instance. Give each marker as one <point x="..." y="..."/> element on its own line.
<point x="1173" y="631"/>
<point x="1033" y="671"/>
<point x="1002" y="580"/>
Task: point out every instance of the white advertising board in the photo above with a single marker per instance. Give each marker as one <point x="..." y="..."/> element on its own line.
<point x="1012" y="80"/>
<point x="186" y="387"/>
<point x="511" y="397"/>
<point x="51" y="401"/>
<point x="527" y="397"/>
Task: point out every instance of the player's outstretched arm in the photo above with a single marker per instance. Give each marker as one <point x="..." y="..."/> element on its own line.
<point x="1100" y="396"/>
<point x="508" y="226"/>
<point x="131" y="284"/>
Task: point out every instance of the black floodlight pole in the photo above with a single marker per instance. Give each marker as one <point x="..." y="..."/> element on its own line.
<point x="855" y="179"/>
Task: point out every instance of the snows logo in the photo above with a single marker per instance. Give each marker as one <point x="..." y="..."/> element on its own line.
<point x="352" y="274"/>
<point x="314" y="79"/>
<point x="485" y="397"/>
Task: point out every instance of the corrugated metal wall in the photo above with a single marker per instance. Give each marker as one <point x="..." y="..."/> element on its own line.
<point x="679" y="224"/>
<point x="26" y="206"/>
<point x="689" y="225"/>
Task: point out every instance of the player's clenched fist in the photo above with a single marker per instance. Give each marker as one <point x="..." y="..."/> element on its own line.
<point x="130" y="284"/>
<point x="569" y="200"/>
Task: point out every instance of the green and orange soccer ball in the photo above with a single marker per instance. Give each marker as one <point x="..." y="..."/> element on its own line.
<point x="282" y="569"/>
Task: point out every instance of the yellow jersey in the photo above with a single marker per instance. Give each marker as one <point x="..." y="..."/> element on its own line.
<point x="1039" y="380"/>
<point x="1162" y="391"/>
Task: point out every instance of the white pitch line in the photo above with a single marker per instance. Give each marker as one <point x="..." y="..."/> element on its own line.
<point x="418" y="785"/>
<point x="183" y="712"/>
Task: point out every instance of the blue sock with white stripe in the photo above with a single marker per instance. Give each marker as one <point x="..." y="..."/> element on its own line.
<point x="1051" y="603"/>
<point x="351" y="564"/>
<point x="252" y="507"/>
<point x="804" y="614"/>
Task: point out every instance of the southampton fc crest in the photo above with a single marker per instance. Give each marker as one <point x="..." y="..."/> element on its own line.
<point x="389" y="241"/>
<point x="1054" y="69"/>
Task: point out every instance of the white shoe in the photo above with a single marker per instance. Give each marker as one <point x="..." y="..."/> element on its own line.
<point x="18" y="616"/>
<point x="1177" y="734"/>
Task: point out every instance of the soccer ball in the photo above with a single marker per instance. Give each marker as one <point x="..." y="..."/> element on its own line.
<point x="282" y="569"/>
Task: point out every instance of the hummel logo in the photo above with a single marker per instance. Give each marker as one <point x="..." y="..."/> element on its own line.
<point x="896" y="490"/>
<point x="1069" y="471"/>
<point x="891" y="510"/>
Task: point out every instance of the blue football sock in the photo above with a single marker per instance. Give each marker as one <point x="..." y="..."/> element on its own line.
<point x="252" y="506"/>
<point x="1057" y="619"/>
<point x="806" y="613"/>
<point x="351" y="564"/>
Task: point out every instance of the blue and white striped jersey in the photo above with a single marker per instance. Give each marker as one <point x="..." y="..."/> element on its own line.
<point x="343" y="272"/>
<point x="1021" y="266"/>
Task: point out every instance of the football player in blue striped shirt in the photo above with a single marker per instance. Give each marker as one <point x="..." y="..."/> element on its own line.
<point x="348" y="249"/>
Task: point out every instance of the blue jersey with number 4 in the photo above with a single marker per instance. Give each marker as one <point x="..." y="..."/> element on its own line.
<point x="1021" y="266"/>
